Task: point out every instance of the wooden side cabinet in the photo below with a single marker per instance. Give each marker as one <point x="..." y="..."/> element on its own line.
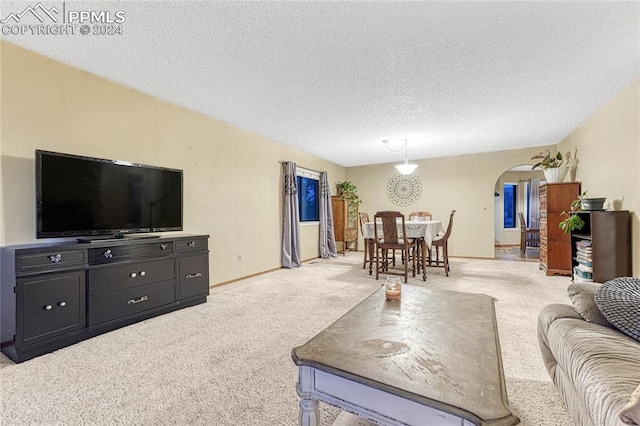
<point x="555" y="245"/>
<point x="601" y="250"/>
<point x="345" y="223"/>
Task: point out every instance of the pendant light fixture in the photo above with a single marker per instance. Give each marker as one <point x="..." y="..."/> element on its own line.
<point x="405" y="168"/>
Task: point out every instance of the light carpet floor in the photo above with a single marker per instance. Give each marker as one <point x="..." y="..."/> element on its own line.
<point x="228" y="362"/>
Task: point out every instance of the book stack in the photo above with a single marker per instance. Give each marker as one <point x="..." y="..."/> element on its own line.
<point x="583" y="271"/>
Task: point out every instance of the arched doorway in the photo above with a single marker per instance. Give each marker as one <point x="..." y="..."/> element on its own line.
<point x="515" y="192"/>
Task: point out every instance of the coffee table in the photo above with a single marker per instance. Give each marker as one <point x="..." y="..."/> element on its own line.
<point x="432" y="358"/>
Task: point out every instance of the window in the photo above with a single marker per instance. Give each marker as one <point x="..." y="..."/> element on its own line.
<point x="510" y="199"/>
<point x="308" y="194"/>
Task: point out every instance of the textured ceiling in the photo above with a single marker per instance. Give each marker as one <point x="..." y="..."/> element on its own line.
<point x="336" y="78"/>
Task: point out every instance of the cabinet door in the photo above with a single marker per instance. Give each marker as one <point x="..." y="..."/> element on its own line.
<point x="49" y="306"/>
<point x="352" y="216"/>
<point x="193" y="276"/>
<point x="611" y="237"/>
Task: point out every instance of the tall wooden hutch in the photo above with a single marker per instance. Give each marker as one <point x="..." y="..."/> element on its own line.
<point x="345" y="223"/>
<point x="555" y="245"/>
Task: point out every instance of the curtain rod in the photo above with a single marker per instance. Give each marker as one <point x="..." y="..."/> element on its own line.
<point x="306" y="168"/>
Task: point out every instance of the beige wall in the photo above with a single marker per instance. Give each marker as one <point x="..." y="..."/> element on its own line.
<point x="609" y="157"/>
<point x="463" y="183"/>
<point x="232" y="178"/>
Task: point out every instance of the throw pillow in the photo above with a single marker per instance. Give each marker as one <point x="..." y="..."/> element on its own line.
<point x="619" y="302"/>
<point x="582" y="296"/>
<point x="630" y="414"/>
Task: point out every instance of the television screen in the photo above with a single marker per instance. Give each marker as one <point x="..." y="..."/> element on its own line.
<point x="83" y="196"/>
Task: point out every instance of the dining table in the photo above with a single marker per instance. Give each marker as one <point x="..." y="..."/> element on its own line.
<point x="424" y="231"/>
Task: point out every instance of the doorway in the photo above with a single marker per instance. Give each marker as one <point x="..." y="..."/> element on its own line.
<point x="515" y="192"/>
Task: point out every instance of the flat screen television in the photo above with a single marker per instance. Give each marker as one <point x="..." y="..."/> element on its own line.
<point x="85" y="196"/>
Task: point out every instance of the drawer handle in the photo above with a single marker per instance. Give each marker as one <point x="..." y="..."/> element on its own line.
<point x="164" y="246"/>
<point x="55" y="258"/>
<point x="133" y="275"/>
<point x="142" y="273"/>
<point x="49" y="307"/>
<point x="196" y="275"/>
<point x="191" y="244"/>
<point x="108" y="254"/>
<point x="134" y="301"/>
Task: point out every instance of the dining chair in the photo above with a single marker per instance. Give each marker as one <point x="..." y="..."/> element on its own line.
<point x="441" y="244"/>
<point x="529" y="237"/>
<point x="363" y="217"/>
<point x="424" y="214"/>
<point x="369" y="252"/>
<point x="387" y="238"/>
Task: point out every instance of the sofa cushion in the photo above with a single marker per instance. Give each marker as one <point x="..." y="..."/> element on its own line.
<point x="582" y="296"/>
<point x="619" y="302"/>
<point x="631" y="413"/>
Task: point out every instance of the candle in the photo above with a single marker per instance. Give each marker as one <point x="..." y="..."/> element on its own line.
<point x="393" y="288"/>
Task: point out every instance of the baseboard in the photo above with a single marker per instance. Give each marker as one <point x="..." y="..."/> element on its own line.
<point x="256" y="274"/>
<point x="318" y="257"/>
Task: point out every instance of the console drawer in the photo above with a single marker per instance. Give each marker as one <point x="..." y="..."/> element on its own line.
<point x="120" y="253"/>
<point x="50" y="260"/>
<point x="197" y="244"/>
<point x="119" y="277"/>
<point x="119" y="304"/>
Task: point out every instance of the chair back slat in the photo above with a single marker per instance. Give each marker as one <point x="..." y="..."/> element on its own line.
<point x="523" y="223"/>
<point x="450" y="226"/>
<point x="387" y="221"/>
<point x="363" y="218"/>
<point x="425" y="214"/>
<point x="390" y="230"/>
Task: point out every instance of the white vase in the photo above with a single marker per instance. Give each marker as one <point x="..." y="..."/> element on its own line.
<point x="555" y="175"/>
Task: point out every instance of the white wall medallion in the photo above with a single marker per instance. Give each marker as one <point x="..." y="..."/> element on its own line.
<point x="404" y="190"/>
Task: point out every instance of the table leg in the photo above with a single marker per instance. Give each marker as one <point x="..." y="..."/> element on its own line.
<point x="372" y="255"/>
<point x="423" y="259"/>
<point x="309" y="413"/>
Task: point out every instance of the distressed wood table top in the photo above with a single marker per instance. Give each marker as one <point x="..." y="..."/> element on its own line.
<point x="436" y="347"/>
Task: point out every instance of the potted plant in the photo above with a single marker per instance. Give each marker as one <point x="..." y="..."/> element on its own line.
<point x="348" y="191"/>
<point x="573" y="221"/>
<point x="550" y="165"/>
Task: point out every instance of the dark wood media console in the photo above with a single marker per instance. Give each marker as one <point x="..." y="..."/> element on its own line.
<point x="57" y="294"/>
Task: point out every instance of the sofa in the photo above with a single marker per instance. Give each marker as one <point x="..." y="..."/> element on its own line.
<point x="593" y="358"/>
